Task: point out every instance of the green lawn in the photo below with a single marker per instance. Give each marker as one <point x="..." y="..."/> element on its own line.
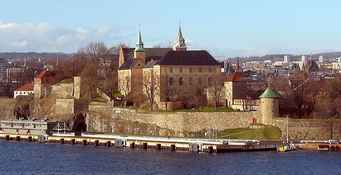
<point x="267" y="132"/>
<point x="69" y="80"/>
<point x="206" y="109"/>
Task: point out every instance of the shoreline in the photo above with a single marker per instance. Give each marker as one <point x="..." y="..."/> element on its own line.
<point x="167" y="143"/>
<point x="145" y="142"/>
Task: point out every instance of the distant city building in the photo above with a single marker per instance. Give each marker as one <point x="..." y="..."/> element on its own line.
<point x="3" y="69"/>
<point x="321" y="60"/>
<point x="15" y="74"/>
<point x="286" y="59"/>
<point x="336" y="65"/>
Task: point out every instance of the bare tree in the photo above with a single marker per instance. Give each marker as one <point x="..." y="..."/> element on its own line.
<point x="218" y="92"/>
<point x="124" y="89"/>
<point x="96" y="50"/>
<point x="151" y="87"/>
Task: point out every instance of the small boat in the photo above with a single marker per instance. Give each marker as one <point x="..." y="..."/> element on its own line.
<point x="286" y="148"/>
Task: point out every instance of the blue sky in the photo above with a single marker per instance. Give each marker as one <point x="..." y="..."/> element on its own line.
<point x="225" y="27"/>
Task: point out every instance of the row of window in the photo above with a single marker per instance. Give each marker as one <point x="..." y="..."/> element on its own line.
<point x="191" y="69"/>
<point x="171" y="81"/>
<point x="22" y="125"/>
<point x="23" y="92"/>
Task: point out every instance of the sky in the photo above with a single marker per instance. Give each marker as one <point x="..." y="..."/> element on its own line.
<point x="224" y="27"/>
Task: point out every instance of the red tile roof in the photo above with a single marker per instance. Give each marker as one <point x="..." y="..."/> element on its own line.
<point x="42" y="74"/>
<point x="50" y="77"/>
<point x="234" y="77"/>
<point x="26" y="87"/>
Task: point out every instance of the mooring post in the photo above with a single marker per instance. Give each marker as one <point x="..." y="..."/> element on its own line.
<point x="173" y="147"/>
<point x="132" y="145"/>
<point x="145" y="145"/>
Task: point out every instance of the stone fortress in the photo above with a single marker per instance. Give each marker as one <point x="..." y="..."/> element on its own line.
<point x="182" y="123"/>
<point x="103" y="117"/>
<point x="173" y="75"/>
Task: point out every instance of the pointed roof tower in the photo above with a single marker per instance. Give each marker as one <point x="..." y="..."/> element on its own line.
<point x="270" y="93"/>
<point x="180" y="41"/>
<point x="139" y="44"/>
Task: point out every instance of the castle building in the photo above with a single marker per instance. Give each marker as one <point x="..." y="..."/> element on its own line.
<point x="164" y="75"/>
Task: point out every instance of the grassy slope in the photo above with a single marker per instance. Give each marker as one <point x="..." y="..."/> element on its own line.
<point x="267" y="132"/>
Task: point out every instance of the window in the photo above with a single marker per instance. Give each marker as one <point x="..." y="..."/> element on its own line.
<point x="200" y="69"/>
<point x="190" y="70"/>
<point x="180" y="70"/>
<point x="199" y="81"/>
<point x="170" y="81"/>
<point x="190" y="81"/>
<point x="171" y="70"/>
<point x="209" y="81"/>
<point x="181" y="81"/>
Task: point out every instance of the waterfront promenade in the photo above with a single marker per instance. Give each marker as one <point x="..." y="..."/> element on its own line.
<point x="146" y="142"/>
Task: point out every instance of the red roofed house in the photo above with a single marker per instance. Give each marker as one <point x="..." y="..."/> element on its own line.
<point x="24" y="90"/>
<point x="65" y="91"/>
<point x="43" y="82"/>
<point x="242" y="93"/>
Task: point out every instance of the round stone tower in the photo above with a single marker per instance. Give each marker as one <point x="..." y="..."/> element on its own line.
<point x="269" y="105"/>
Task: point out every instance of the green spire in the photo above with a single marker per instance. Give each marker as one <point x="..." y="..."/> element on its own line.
<point x="269" y="93"/>
<point x="139" y="44"/>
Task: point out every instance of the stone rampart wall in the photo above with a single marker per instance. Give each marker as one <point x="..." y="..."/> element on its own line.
<point x="181" y="122"/>
<point x="310" y="129"/>
<point x="62" y="90"/>
<point x="65" y="107"/>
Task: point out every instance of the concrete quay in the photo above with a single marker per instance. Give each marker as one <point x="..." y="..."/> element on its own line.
<point x="145" y="142"/>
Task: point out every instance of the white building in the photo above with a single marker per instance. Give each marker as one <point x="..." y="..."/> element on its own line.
<point x="286" y="59"/>
<point x="24" y="90"/>
<point x="321" y="60"/>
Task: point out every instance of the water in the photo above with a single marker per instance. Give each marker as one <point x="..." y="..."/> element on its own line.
<point x="33" y="158"/>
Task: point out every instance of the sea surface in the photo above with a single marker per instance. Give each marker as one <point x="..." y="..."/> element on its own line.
<point x="35" y="158"/>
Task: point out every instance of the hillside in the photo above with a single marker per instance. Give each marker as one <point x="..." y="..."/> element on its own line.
<point x="20" y="55"/>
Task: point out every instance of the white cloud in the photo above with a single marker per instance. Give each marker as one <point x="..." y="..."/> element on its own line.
<point x="18" y="44"/>
<point x="44" y="37"/>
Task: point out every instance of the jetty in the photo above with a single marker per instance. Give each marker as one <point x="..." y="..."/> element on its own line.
<point x="147" y="142"/>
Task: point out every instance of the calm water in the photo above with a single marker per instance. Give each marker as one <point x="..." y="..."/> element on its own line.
<point x="33" y="158"/>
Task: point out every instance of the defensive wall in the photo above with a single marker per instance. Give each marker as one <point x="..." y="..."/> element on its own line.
<point x="181" y="123"/>
<point x="309" y="129"/>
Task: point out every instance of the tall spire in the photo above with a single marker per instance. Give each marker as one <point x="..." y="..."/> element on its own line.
<point x="180" y="41"/>
<point x="139" y="44"/>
